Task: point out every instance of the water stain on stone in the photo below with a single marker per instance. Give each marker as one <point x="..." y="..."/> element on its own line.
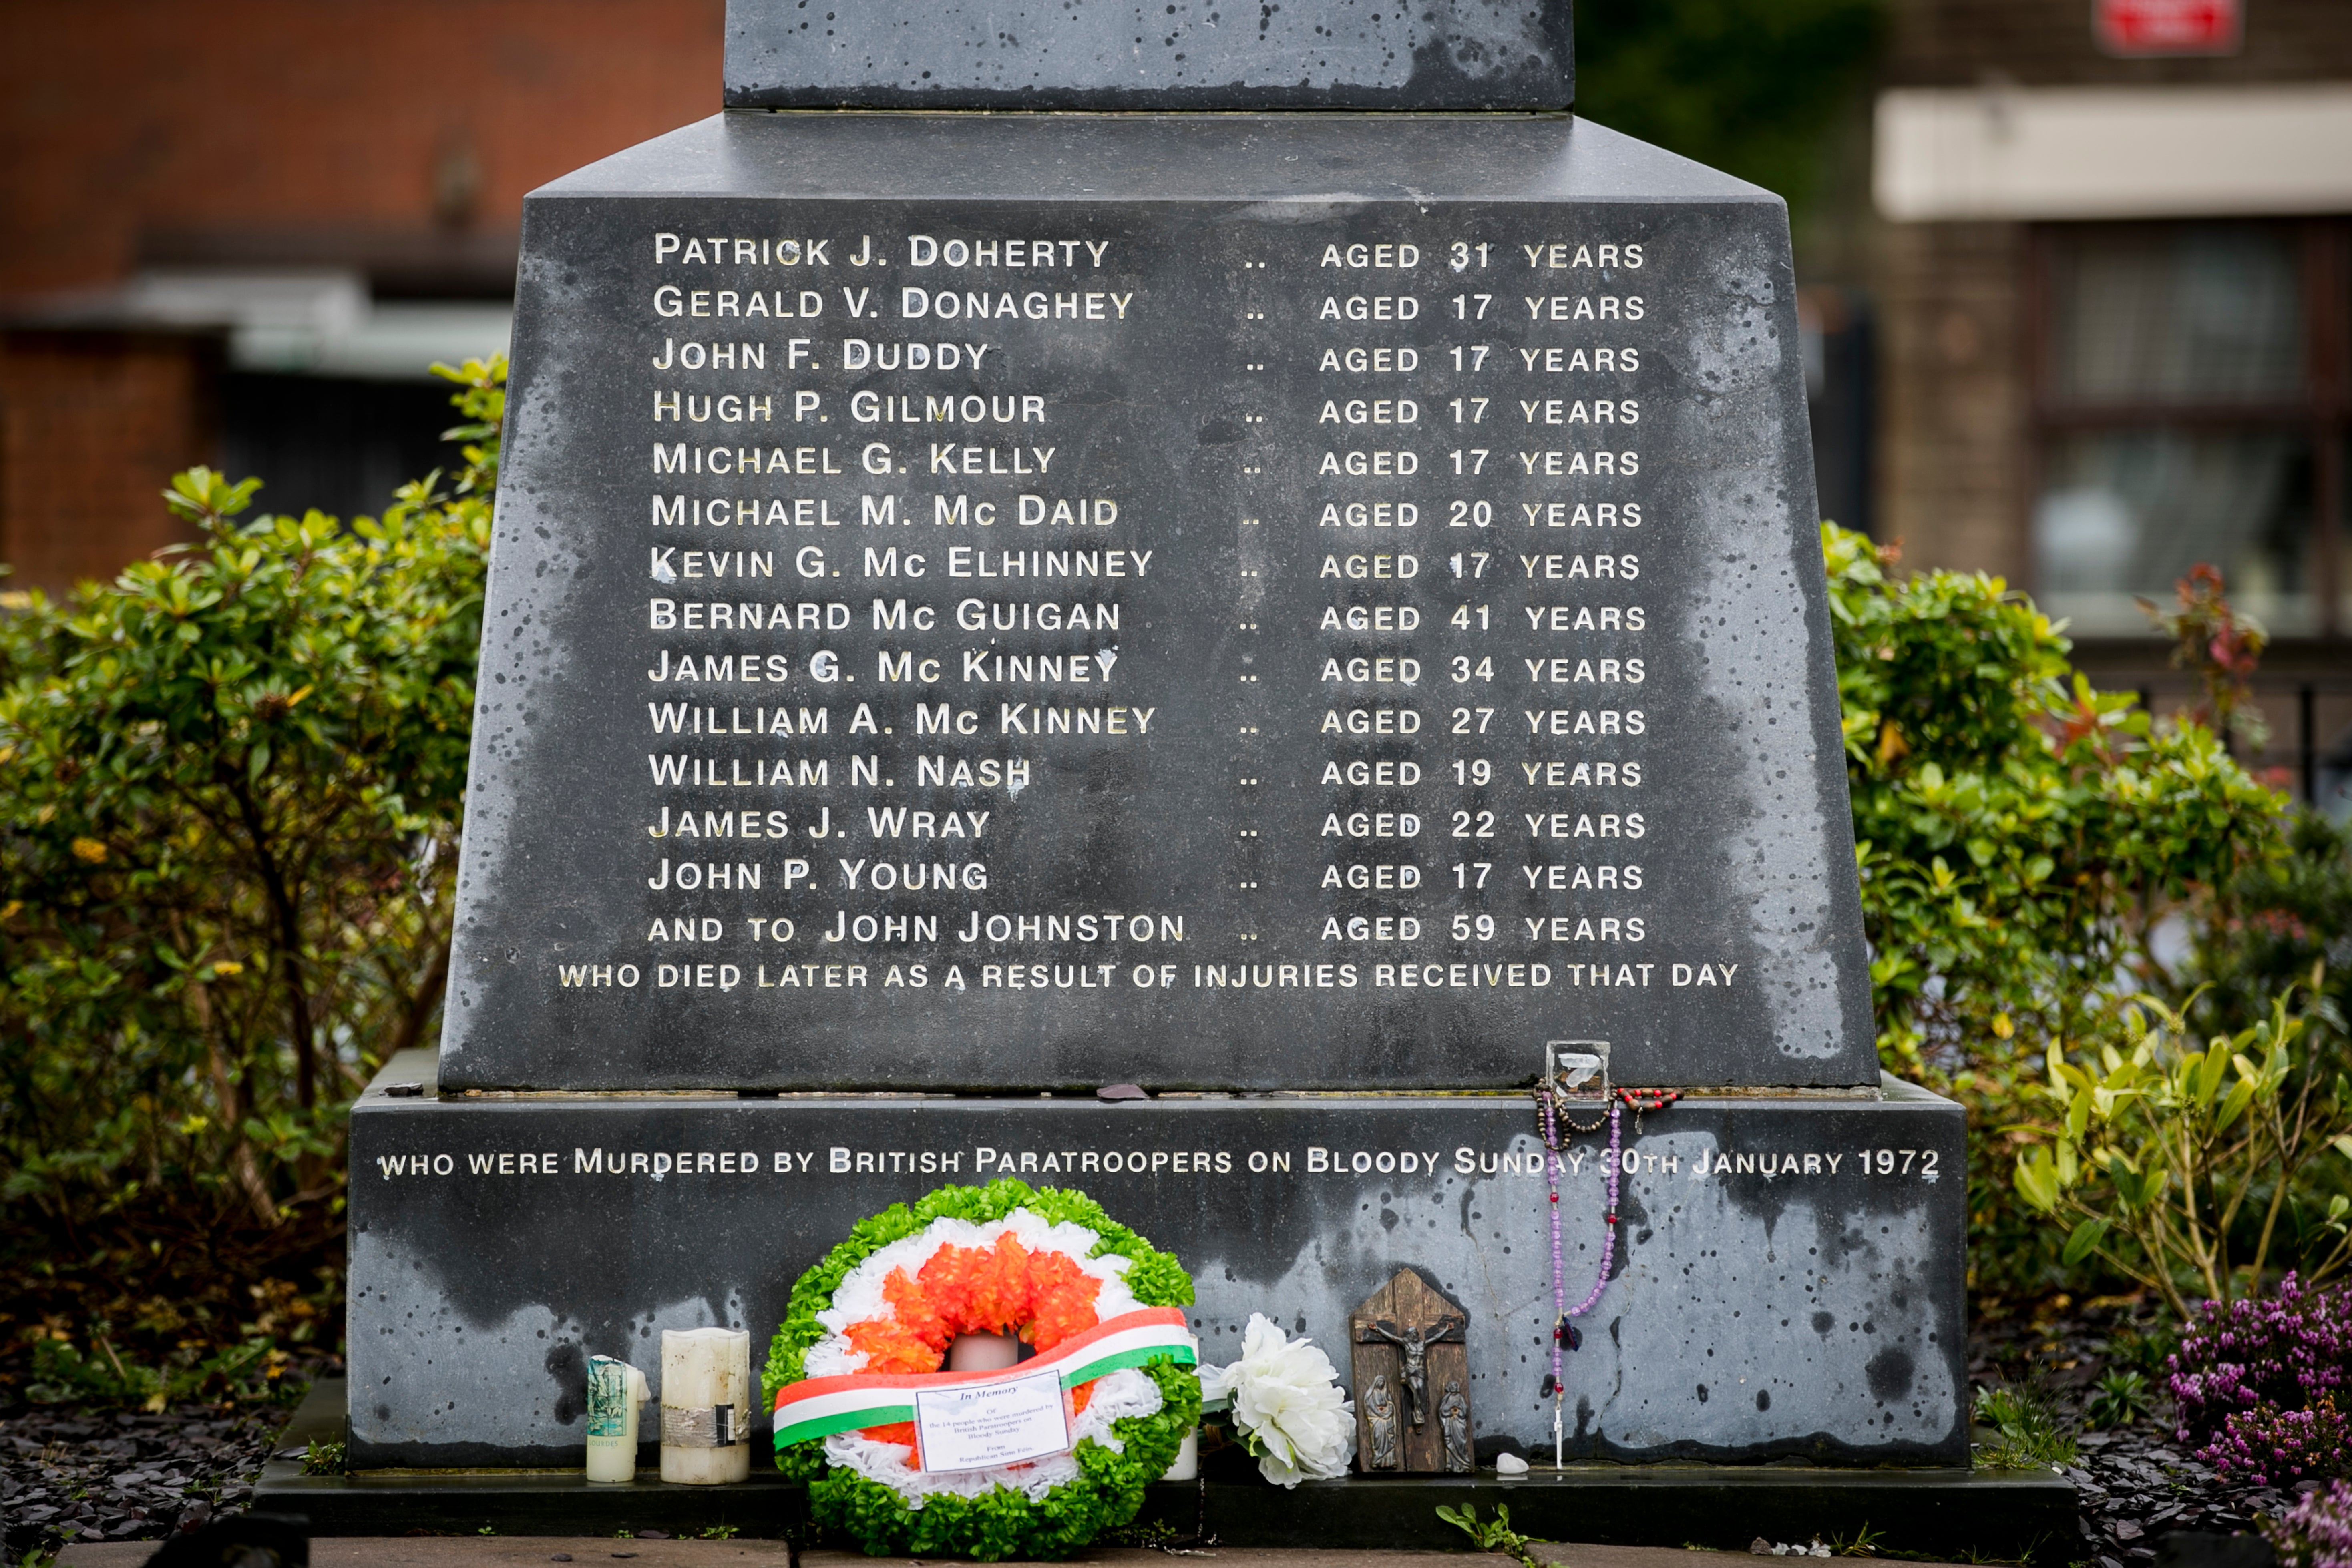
<point x="568" y="1367"/>
<point x="1889" y="1373"/>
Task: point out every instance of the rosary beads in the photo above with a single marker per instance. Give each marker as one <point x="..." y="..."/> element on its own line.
<point x="1647" y="1099"/>
<point x="1565" y="1334"/>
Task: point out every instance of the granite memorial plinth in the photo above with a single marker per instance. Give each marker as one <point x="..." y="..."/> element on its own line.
<point x="1788" y="1282"/>
<point x="1310" y="601"/>
<point x="1302" y="613"/>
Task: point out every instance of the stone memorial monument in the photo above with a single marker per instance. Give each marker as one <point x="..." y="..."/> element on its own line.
<point x="1297" y="612"/>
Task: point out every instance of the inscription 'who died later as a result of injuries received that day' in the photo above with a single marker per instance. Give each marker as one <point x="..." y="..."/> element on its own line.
<point x="1346" y="650"/>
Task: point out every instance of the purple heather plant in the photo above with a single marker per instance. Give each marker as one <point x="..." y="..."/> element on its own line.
<point x="2258" y="1381"/>
<point x="2317" y="1532"/>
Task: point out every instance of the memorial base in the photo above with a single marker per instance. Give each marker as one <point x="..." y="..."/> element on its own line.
<point x="1948" y="1514"/>
<point x="1787" y="1282"/>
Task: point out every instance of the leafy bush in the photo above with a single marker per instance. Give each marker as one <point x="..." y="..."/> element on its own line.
<point x="2020" y="837"/>
<point x="2161" y="1148"/>
<point x="230" y="783"/>
<point x="2220" y="647"/>
<point x="2275" y="923"/>
<point x="2020" y="834"/>
<point x="64" y="1374"/>
<point x="2258" y="1383"/>
<point x="2282" y="919"/>
<point x="2120" y="1400"/>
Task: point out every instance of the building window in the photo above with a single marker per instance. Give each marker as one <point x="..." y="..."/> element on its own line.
<point x="2189" y="406"/>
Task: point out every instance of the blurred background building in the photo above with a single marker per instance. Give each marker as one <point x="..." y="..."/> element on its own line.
<point x="2077" y="274"/>
<point x="238" y="233"/>
<point x="2109" y="258"/>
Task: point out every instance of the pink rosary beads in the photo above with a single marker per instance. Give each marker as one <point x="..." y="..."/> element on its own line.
<point x="1565" y="1334"/>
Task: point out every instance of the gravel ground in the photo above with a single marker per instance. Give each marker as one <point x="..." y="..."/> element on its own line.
<point x="106" y="1475"/>
<point x="109" y="1476"/>
<point x="2136" y="1484"/>
<point x="2138" y="1480"/>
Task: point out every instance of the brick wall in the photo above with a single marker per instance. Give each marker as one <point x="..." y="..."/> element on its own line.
<point x="92" y="426"/>
<point x="1952" y="438"/>
<point x="397" y="134"/>
<point x="395" y="137"/>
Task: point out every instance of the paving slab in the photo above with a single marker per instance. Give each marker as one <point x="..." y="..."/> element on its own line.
<point x="478" y="1552"/>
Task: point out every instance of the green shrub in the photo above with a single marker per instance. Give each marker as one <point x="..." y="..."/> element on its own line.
<point x="103" y="1376"/>
<point x="2019" y="837"/>
<point x="2271" y="924"/>
<point x="2173" y="1163"/>
<point x="2121" y="1397"/>
<point x="2020" y="834"/>
<point x="230" y="784"/>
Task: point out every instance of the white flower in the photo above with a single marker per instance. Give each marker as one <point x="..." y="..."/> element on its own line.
<point x="1286" y="1403"/>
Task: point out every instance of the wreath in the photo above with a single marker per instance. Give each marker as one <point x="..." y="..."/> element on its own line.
<point x="875" y="1319"/>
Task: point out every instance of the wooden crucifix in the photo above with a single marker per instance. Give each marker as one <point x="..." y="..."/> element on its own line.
<point x="1412" y="1371"/>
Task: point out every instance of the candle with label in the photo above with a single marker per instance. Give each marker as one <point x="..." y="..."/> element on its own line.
<point x="706" y="1403"/>
<point x="615" y="1392"/>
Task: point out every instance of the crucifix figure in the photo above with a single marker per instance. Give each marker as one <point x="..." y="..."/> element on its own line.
<point x="1410" y="1352"/>
<point x="1414" y="1340"/>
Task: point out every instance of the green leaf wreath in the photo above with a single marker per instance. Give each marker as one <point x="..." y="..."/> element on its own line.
<point x="1001" y="1523"/>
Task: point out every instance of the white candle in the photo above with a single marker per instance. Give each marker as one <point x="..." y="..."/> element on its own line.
<point x="706" y="1404"/>
<point x="1187" y="1460"/>
<point x="615" y="1390"/>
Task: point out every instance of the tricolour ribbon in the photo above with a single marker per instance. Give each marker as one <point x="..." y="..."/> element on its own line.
<point x="819" y="1406"/>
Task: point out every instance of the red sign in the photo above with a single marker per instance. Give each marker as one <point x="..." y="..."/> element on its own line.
<point x="2169" y="26"/>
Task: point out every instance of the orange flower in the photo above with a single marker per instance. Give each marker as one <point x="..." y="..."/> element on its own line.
<point x="899" y="1432"/>
<point x="888" y="1347"/>
<point x="1046" y="1298"/>
<point x="1062" y="1300"/>
<point x="996" y="1286"/>
<point x="916" y="1311"/>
